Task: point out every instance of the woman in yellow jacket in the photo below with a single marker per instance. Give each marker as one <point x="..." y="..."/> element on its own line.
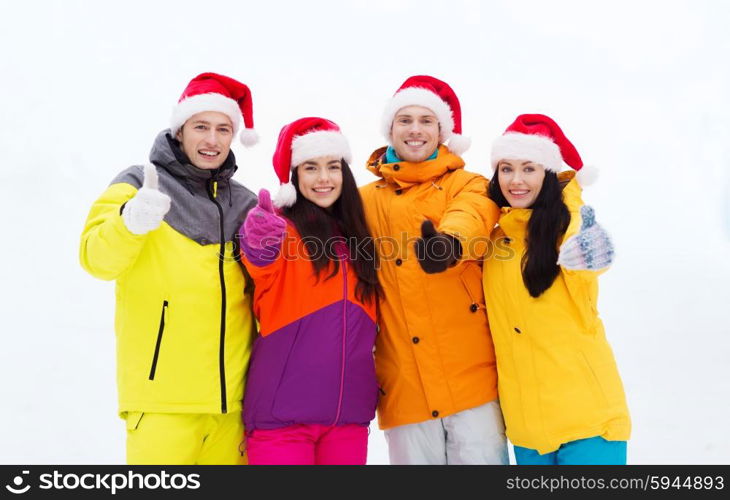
<point x="559" y="387"/>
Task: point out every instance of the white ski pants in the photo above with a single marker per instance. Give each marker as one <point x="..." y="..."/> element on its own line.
<point x="470" y="437"/>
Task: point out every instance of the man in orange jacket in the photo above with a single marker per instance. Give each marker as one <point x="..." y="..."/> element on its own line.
<point x="431" y="220"/>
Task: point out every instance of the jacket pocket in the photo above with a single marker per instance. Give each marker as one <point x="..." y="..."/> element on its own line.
<point x="380" y="393"/>
<point x="132" y="420"/>
<point x="471" y="279"/>
<point x="161" y="330"/>
<point x="593" y="379"/>
<point x="605" y="374"/>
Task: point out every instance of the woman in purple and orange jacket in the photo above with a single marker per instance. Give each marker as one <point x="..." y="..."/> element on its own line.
<point x="311" y="389"/>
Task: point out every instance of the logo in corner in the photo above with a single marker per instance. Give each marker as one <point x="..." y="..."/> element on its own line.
<point x="19" y="489"/>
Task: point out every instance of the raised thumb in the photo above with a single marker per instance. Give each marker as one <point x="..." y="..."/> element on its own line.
<point x="265" y="201"/>
<point x="588" y="216"/>
<point x="150" y="177"/>
<point x="427" y="229"/>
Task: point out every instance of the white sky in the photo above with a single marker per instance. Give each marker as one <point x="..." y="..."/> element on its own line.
<point x="641" y="88"/>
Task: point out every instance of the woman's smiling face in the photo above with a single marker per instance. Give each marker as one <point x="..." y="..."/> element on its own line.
<point x="320" y="180"/>
<point x="520" y="181"/>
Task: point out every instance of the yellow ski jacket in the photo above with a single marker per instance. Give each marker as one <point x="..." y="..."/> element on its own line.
<point x="183" y="323"/>
<point x="558" y="380"/>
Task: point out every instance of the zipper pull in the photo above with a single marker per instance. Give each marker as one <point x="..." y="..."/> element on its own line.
<point x="215" y="189"/>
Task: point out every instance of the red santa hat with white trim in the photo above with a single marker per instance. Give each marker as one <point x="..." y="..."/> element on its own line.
<point x="431" y="93"/>
<point x="302" y="140"/>
<point x="539" y="139"/>
<point x="214" y="92"/>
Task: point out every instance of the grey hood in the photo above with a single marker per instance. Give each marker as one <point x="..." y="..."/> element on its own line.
<point x="194" y="212"/>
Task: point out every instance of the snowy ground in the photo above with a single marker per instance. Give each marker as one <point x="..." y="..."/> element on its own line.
<point x="638" y="88"/>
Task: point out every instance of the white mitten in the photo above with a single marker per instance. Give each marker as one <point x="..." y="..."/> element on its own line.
<point x="591" y="249"/>
<point x="145" y="211"/>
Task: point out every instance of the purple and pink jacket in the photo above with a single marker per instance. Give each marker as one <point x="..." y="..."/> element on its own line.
<point x="313" y="360"/>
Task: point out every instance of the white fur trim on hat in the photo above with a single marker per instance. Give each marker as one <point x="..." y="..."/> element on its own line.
<point x="249" y="137"/>
<point x="321" y="143"/>
<point x="286" y="196"/>
<point x="205" y="102"/>
<point x="416" y="96"/>
<point x="533" y="147"/>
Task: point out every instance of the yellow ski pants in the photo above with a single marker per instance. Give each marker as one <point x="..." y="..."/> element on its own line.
<point x="184" y="439"/>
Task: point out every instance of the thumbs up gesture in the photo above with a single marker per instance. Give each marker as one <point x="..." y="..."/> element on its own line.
<point x="263" y="227"/>
<point x="436" y="251"/>
<point x="590" y="249"/>
<point x="144" y="212"/>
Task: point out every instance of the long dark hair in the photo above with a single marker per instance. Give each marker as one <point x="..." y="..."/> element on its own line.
<point x="549" y="220"/>
<point x="345" y="221"/>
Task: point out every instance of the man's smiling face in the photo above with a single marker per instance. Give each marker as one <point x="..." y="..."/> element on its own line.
<point x="206" y="139"/>
<point x="414" y="133"/>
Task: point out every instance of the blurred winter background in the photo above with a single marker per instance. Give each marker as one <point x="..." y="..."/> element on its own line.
<point x="642" y="89"/>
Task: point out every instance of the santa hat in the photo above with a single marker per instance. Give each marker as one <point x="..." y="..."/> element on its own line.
<point x="431" y="93"/>
<point x="539" y="139"/>
<point x="302" y="140"/>
<point x="213" y="92"/>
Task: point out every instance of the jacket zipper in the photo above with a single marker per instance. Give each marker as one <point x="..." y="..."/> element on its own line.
<point x="344" y="340"/>
<point x="212" y="193"/>
<point x="159" y="341"/>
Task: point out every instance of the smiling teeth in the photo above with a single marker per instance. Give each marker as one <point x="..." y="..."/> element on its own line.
<point x="415" y="143"/>
<point x="322" y="190"/>
<point x="208" y="153"/>
<point x="518" y="192"/>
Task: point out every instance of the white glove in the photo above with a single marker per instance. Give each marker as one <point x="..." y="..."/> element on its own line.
<point x="591" y="249"/>
<point x="145" y="211"/>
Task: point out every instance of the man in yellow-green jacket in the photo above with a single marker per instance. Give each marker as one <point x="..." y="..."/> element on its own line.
<point x="165" y="232"/>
